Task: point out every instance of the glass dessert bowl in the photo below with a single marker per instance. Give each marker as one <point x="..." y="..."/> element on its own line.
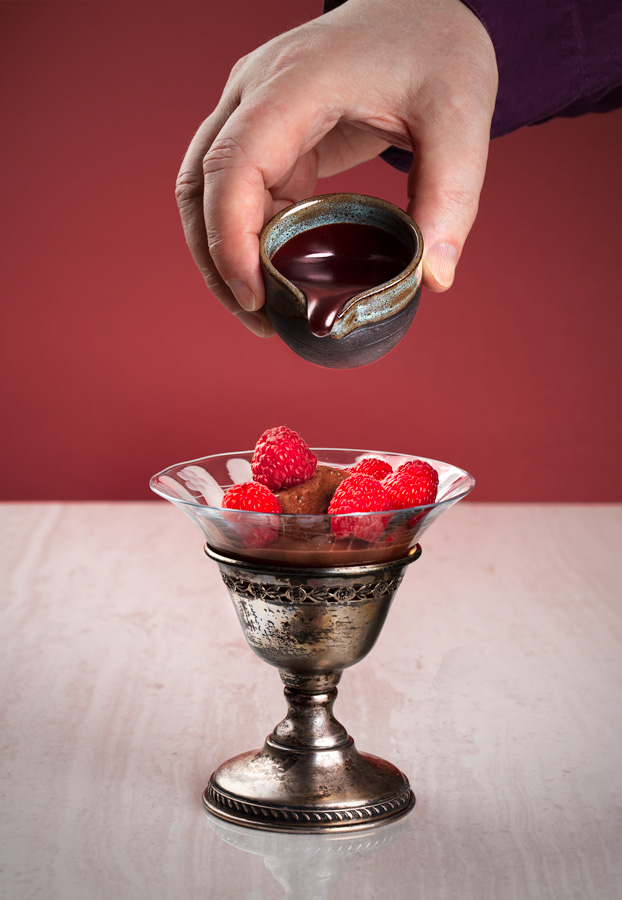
<point x="197" y="488"/>
<point x="311" y="604"/>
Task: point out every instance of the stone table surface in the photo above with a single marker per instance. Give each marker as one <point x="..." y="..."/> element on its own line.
<point x="495" y="685"/>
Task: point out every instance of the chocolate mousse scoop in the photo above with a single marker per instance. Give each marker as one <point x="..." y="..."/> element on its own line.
<point x="309" y="542"/>
<point x="312" y="497"/>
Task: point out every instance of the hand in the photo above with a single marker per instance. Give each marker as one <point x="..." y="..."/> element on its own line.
<point x="335" y="92"/>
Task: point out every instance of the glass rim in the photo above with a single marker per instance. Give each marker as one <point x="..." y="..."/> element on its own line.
<point x="288" y="516"/>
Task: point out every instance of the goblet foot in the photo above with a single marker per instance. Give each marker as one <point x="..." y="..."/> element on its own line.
<point x="337" y="789"/>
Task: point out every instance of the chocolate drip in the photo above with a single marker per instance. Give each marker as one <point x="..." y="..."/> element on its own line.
<point x="332" y="263"/>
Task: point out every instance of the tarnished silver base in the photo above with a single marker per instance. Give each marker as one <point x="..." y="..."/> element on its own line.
<point x="328" y="790"/>
<point x="309" y="777"/>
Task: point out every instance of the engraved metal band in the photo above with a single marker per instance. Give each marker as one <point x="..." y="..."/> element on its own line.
<point x="285" y="593"/>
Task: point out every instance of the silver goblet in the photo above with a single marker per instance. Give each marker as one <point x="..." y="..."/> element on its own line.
<point x="312" y="606"/>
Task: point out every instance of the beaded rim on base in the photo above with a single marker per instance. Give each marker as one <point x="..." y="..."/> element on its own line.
<point x="291" y="819"/>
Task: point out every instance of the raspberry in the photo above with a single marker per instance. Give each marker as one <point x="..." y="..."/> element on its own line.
<point x="282" y="459"/>
<point x="253" y="531"/>
<point x="418" y="467"/>
<point x="406" y="490"/>
<point x="359" y="494"/>
<point x="373" y="466"/>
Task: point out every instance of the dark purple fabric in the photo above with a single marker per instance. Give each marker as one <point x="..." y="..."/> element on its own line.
<point x="555" y="58"/>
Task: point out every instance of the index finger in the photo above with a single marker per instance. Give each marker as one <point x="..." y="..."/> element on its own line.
<point x="189" y="196"/>
<point x="257" y="147"/>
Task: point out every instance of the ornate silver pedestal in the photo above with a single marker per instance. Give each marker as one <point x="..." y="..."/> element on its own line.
<point x="310" y="623"/>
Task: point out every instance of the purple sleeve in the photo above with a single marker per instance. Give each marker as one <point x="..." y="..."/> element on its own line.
<point x="555" y="58"/>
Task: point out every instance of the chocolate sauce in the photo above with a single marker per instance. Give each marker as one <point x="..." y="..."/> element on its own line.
<point x="332" y="263"/>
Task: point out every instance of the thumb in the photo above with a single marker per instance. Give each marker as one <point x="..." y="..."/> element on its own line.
<point x="444" y="186"/>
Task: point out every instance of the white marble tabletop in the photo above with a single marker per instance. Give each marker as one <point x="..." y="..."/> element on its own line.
<point x="495" y="685"/>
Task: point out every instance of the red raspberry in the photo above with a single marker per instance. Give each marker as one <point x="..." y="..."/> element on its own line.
<point x="253" y="531"/>
<point x="418" y="467"/>
<point x="282" y="459"/>
<point x="406" y="490"/>
<point x="373" y="466"/>
<point x="359" y="494"/>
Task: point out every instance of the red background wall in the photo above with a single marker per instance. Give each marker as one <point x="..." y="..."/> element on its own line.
<point x="116" y="361"/>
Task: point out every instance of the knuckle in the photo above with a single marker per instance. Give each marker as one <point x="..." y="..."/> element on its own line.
<point x="224" y="153"/>
<point x="238" y="75"/>
<point x="217" y="247"/>
<point x="455" y="109"/>
<point x="286" y="54"/>
<point x="217" y="250"/>
<point x="188" y="187"/>
<point x="239" y="66"/>
<point x="459" y="103"/>
<point x="213" y="283"/>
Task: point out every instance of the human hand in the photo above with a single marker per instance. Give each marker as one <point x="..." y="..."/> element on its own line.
<point x="317" y="100"/>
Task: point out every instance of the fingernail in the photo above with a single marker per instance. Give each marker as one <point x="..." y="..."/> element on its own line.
<point x="243" y="295"/>
<point x="255" y="323"/>
<point x="441" y="261"/>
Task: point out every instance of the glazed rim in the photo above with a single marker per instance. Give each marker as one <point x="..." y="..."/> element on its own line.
<point x="317" y="450"/>
<point x="363" y="199"/>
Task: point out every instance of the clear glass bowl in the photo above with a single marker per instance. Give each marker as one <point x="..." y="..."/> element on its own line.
<point x="197" y="487"/>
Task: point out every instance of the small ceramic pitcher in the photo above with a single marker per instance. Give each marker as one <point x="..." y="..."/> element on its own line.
<point x="371" y="322"/>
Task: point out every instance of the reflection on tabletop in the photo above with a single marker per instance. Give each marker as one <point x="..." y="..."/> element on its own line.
<point x="308" y="865"/>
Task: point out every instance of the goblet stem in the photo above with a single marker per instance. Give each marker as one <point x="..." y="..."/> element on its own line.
<point x="310" y="724"/>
